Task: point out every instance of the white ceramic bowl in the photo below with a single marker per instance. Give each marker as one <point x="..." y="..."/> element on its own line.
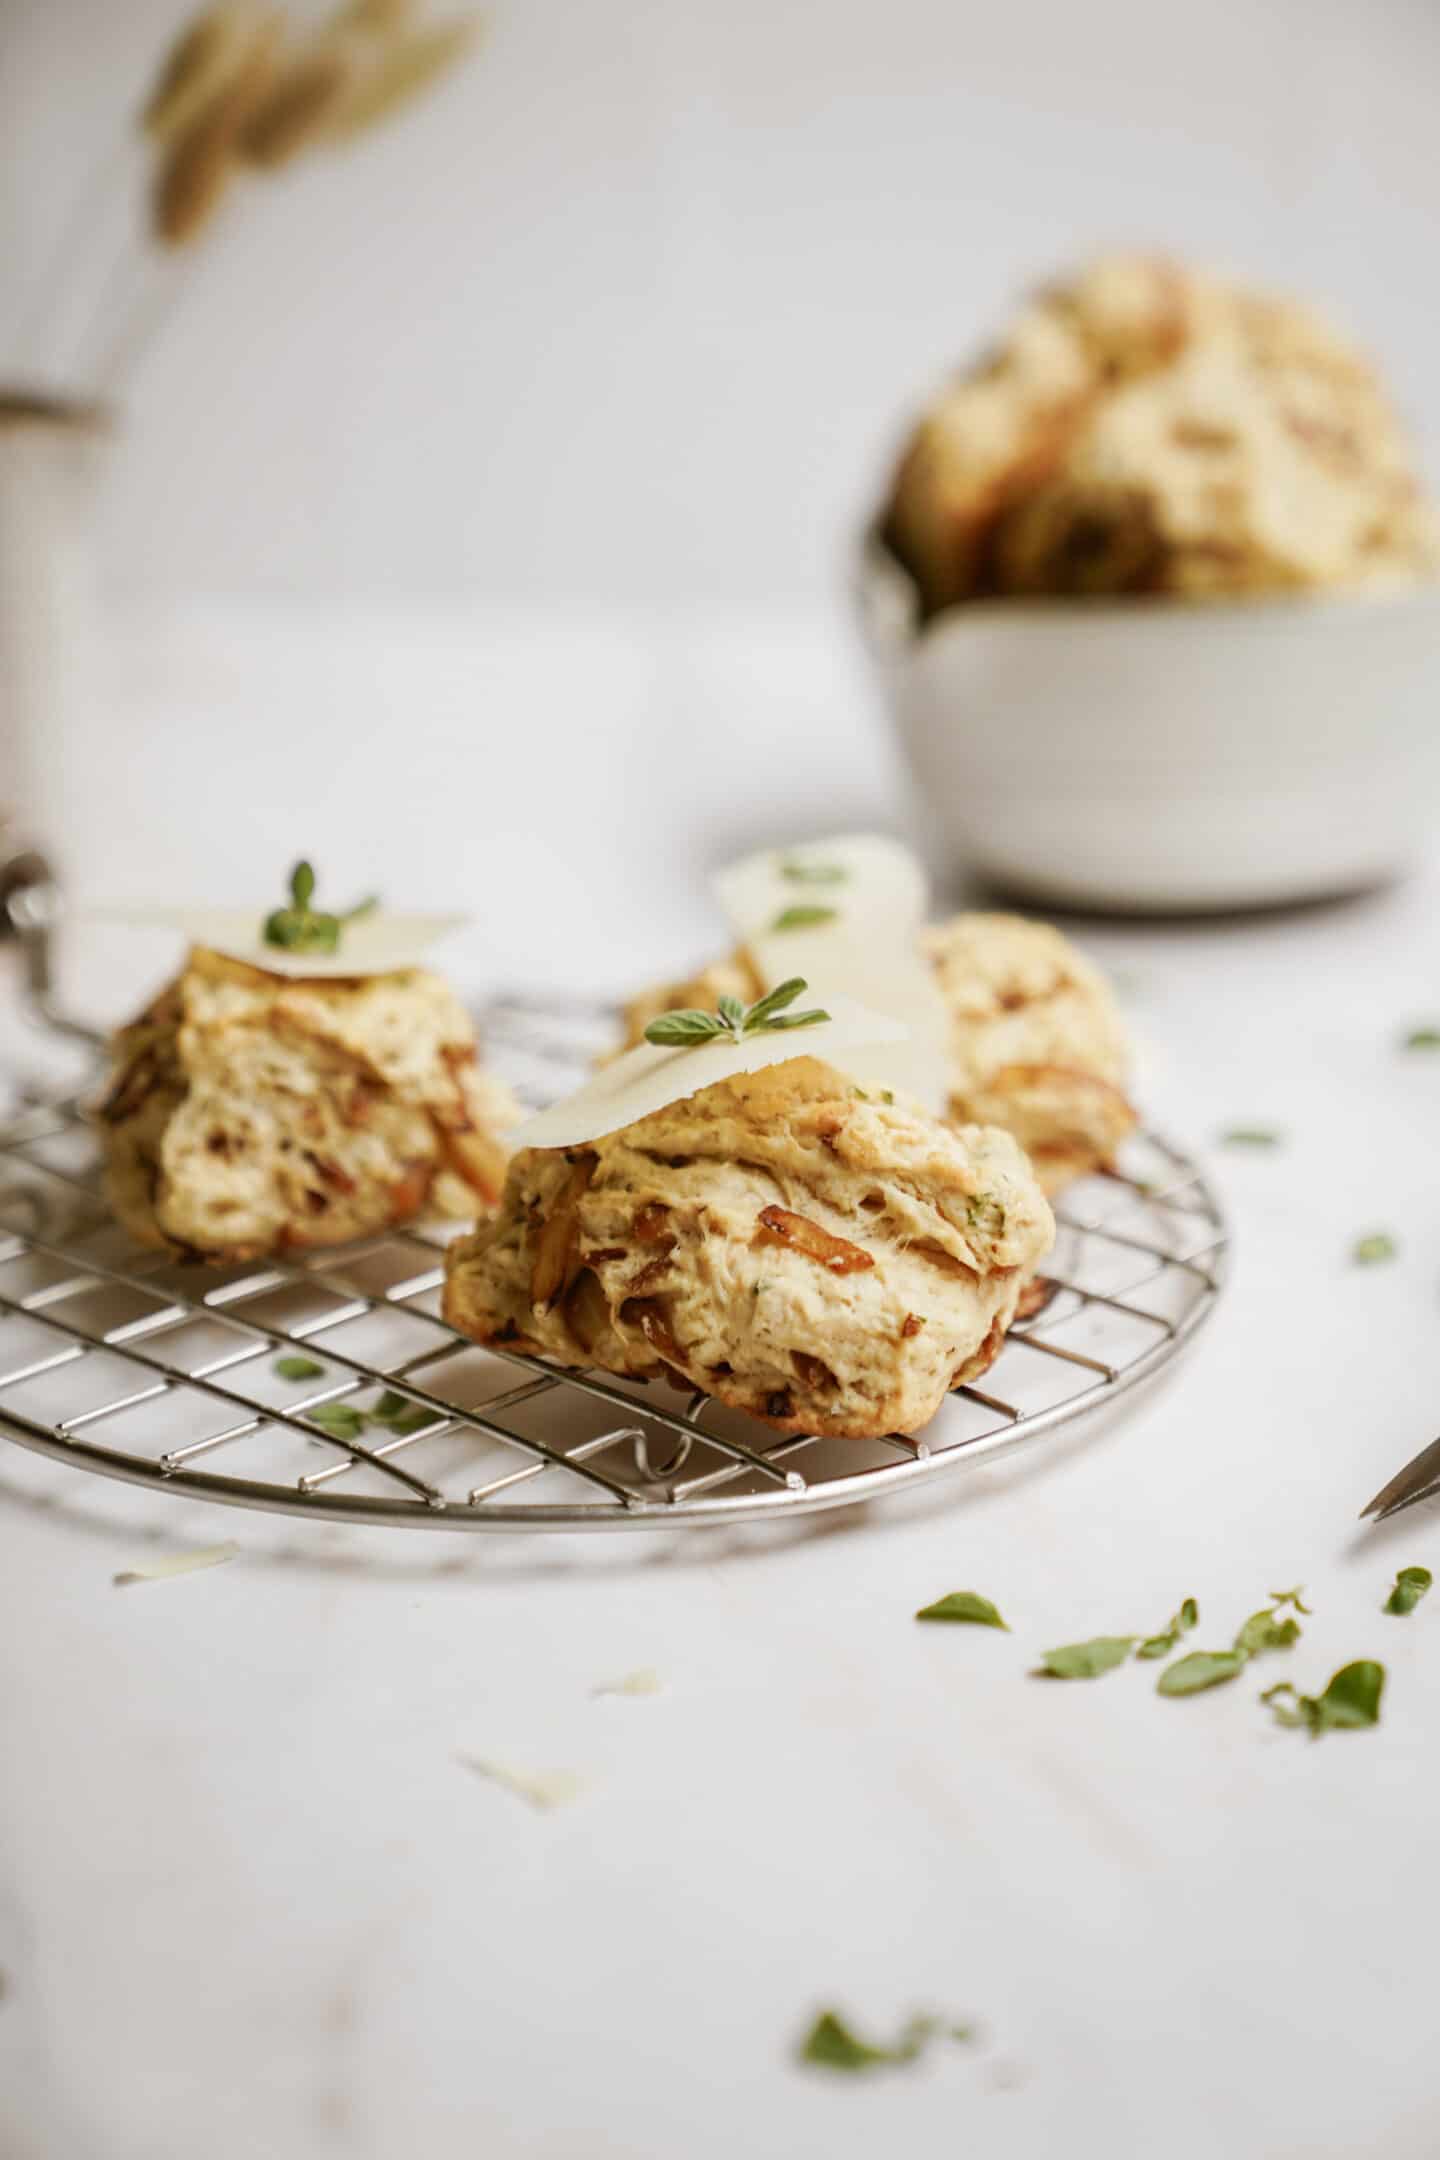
<point x="1145" y="756"/>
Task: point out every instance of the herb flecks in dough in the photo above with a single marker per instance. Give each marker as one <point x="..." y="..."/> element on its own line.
<point x="301" y="927"/>
<point x="769" y="1015"/>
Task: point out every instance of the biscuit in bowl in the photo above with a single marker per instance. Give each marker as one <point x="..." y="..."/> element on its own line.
<point x="825" y="1261"/>
<point x="252" y="1113"/>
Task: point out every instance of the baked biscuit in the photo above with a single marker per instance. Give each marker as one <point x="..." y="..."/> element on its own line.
<point x="827" y="1262"/>
<point x="1037" y="1043"/>
<point x="1148" y="429"/>
<point x="252" y="1113"/>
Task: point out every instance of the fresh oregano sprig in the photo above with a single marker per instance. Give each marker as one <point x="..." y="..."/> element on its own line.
<point x="302" y="927"/>
<point x="686" y="1028"/>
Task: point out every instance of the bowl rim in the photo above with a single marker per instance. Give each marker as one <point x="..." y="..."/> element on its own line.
<point x="881" y="580"/>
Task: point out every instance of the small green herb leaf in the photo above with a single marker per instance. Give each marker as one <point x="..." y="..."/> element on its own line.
<point x="680" y="1030"/>
<point x="1411" y="1585"/>
<point x="342" y="1421"/>
<point x="830" y="2043"/>
<point x="1086" y="1660"/>
<point x="1251" y="1136"/>
<point x="1349" y="1703"/>
<point x="790" y="1020"/>
<point x="1379" y="1245"/>
<point x="1423" y="1038"/>
<point x="1267" y="1631"/>
<point x="812" y="873"/>
<point x="1295" y="1597"/>
<point x="303" y="928"/>
<point x="413" y="1419"/>
<point x="1180" y="1623"/>
<point x="963" y="1605"/>
<point x="683" y="1029"/>
<point x="803" y="917"/>
<point x="1201" y="1669"/>
<point x="297" y="1368"/>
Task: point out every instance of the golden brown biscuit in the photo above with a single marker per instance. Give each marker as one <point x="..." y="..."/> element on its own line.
<point x="251" y="1113"/>
<point x="1037" y="1043"/>
<point x="829" y="1263"/>
<point x="1149" y="429"/>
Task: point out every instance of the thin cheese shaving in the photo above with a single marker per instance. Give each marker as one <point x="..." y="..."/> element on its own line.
<point x="378" y="944"/>
<point x="847" y="912"/>
<point x="650" y="1076"/>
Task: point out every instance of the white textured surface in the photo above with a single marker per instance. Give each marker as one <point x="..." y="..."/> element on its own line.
<point x="251" y="1901"/>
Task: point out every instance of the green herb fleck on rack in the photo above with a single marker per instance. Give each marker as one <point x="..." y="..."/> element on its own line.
<point x="1411" y="1585"/>
<point x="684" y="1029"/>
<point x="297" y="1368"/>
<point x="303" y="928"/>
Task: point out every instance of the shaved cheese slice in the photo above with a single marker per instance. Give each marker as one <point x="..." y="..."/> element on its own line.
<point x="848" y="912"/>
<point x="650" y="1076"/>
<point x="183" y="1563"/>
<point x="378" y="944"/>
<point x="540" y="1789"/>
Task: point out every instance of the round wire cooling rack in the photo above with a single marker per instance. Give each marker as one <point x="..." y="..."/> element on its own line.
<point x="328" y="1385"/>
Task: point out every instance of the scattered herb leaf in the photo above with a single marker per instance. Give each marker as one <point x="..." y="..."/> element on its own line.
<point x="1180" y="1623"/>
<point x="1265" y="1630"/>
<point x="1379" y="1245"/>
<point x="830" y="2043"/>
<point x="805" y="916"/>
<point x="342" y="1421"/>
<point x="1295" y="1597"/>
<point x="1201" y="1669"/>
<point x="1254" y="1136"/>
<point x="1349" y="1703"/>
<point x="768" y="1015"/>
<point x="1411" y="1585"/>
<point x="303" y="928"/>
<point x="297" y="1368"/>
<point x="1086" y="1660"/>
<point x="963" y="1605"/>
<point x="812" y="873"/>
<point x="1423" y="1038"/>
<point x="182" y="1563"/>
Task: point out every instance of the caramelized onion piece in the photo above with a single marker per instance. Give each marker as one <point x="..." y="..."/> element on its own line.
<point x="836" y="1254"/>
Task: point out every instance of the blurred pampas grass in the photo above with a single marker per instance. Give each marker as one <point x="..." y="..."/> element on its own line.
<point x="243" y="92"/>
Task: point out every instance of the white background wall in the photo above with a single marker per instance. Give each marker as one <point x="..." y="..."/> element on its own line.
<point x="608" y="344"/>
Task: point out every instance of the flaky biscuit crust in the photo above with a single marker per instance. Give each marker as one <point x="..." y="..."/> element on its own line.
<point x="252" y="1113"/>
<point x="827" y="1262"/>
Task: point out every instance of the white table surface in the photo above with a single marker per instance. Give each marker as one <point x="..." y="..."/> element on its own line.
<point x="251" y="1903"/>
